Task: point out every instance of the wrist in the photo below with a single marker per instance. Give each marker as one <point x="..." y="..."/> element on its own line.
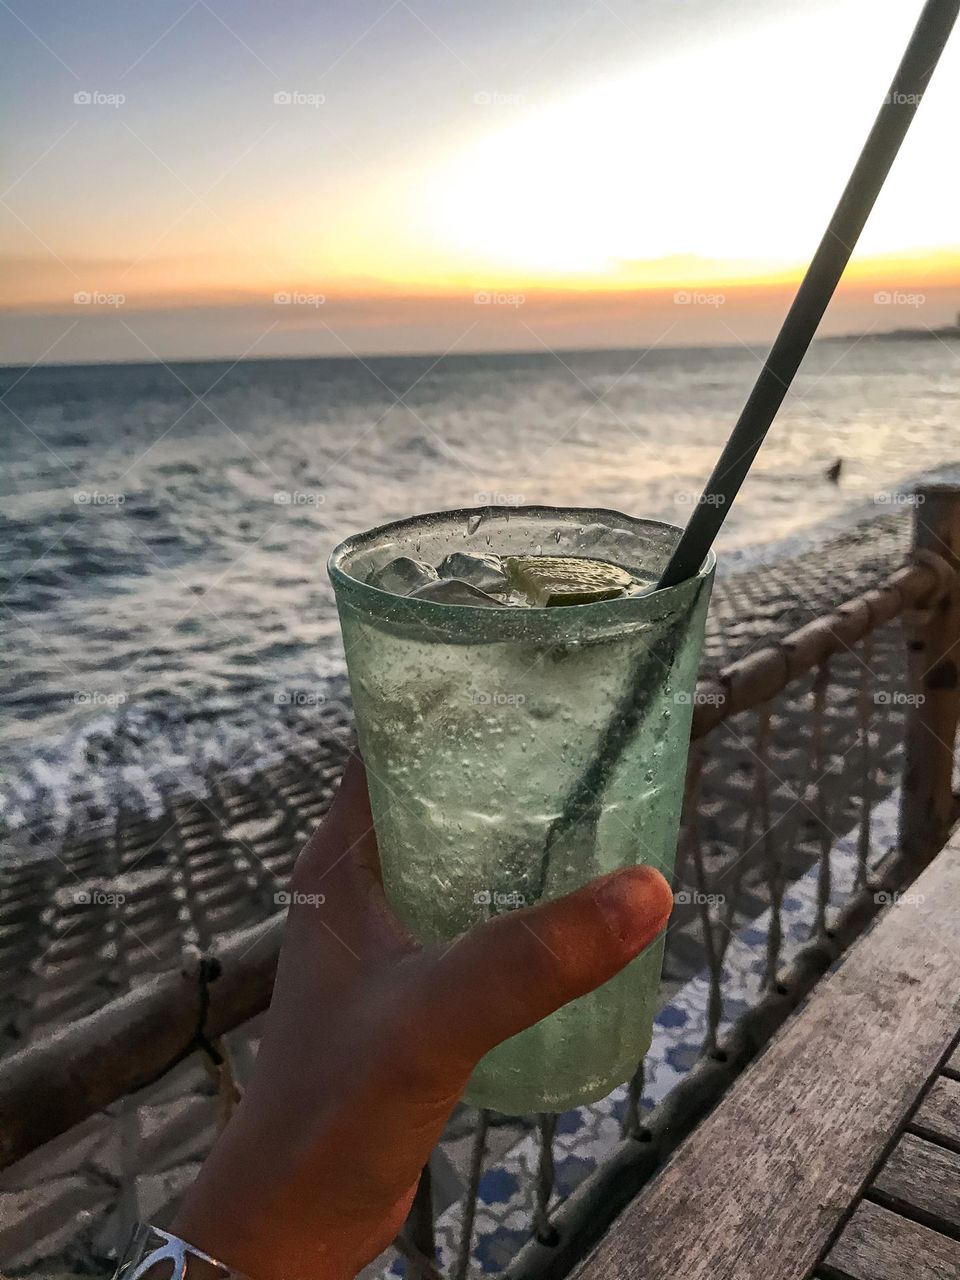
<point x="251" y="1236"/>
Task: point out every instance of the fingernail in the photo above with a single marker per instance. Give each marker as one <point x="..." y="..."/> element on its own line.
<point x="636" y="904"/>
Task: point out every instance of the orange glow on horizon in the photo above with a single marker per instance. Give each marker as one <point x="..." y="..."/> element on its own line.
<point x="171" y="283"/>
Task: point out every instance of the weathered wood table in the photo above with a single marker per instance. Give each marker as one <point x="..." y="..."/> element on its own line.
<point x="836" y="1156"/>
<point x="908" y="1222"/>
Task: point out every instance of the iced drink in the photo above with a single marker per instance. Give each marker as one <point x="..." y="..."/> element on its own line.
<point x="523" y="703"/>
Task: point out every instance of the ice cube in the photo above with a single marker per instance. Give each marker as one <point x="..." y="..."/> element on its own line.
<point x="455" y="591"/>
<point x="403" y="575"/>
<point x="481" y="570"/>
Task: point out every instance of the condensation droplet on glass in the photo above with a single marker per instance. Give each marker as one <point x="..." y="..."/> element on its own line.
<point x="557" y="536"/>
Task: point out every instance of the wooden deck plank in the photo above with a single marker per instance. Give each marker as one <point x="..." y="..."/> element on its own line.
<point x="923" y="1180"/>
<point x="879" y="1245"/>
<point x="938" y="1116"/>
<point x="759" y="1189"/>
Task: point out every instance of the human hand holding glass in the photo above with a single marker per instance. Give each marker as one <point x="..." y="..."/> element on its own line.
<point x="369" y="1042"/>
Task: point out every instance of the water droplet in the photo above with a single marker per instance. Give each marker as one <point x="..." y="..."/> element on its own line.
<point x="473" y="523"/>
<point x="557" y="535"/>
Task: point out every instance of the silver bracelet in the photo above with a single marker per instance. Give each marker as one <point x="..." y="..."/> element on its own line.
<point x="174" y="1259"/>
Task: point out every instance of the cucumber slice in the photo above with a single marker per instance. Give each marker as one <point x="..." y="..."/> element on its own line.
<point x="559" y="580"/>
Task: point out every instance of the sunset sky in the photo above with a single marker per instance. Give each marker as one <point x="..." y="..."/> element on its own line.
<point x="219" y="178"/>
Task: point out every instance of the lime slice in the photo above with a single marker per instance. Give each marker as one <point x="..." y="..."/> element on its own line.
<point x="554" y="580"/>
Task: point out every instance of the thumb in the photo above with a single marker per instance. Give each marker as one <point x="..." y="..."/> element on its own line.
<point x="512" y="971"/>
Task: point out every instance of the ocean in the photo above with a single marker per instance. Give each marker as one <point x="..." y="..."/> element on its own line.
<point x="165" y="528"/>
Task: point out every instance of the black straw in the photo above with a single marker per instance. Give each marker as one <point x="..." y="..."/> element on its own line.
<point x="890" y="127"/>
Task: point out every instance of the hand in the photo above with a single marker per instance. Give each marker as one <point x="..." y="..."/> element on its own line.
<point x="369" y="1042"/>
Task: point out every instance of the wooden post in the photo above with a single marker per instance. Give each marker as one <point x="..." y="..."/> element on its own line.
<point x="928" y="806"/>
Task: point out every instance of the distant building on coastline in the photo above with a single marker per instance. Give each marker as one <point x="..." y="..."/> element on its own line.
<point x="923" y="334"/>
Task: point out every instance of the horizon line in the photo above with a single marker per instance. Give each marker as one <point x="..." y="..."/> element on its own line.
<point x="854" y="337"/>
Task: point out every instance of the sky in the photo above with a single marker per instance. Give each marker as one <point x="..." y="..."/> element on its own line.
<point x="219" y="178"/>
